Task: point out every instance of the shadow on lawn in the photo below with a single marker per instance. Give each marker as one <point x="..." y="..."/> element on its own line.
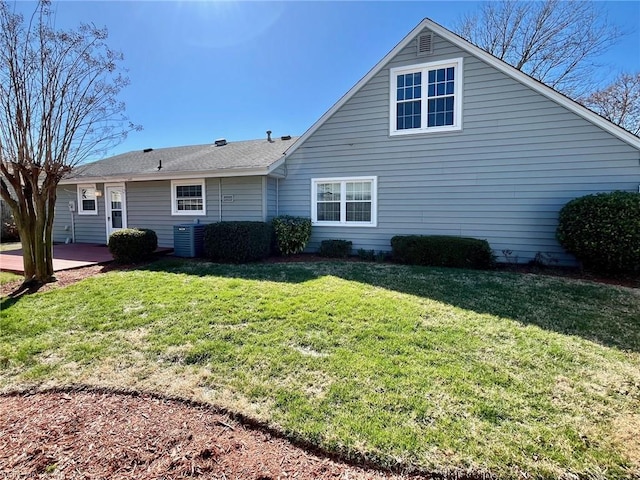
<point x="596" y="312"/>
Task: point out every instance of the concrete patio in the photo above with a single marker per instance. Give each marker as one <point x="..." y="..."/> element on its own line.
<point x="65" y="257"/>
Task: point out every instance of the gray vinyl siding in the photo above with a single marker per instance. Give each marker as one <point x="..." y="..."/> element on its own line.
<point x="87" y="228"/>
<point x="519" y="158"/>
<point x="247" y="199"/>
<point x="148" y="205"/>
<point x="272" y="198"/>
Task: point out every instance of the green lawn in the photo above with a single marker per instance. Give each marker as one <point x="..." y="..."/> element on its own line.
<point x="8" y="277"/>
<point x="438" y="370"/>
<point x="5" y="247"/>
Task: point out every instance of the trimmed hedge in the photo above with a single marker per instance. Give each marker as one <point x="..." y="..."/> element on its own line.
<point x="603" y="231"/>
<point x="292" y="233"/>
<point x="442" y="251"/>
<point x="237" y="242"/>
<point x="335" y="248"/>
<point x="132" y="245"/>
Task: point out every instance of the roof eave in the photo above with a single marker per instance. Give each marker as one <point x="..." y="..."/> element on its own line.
<point x="146" y="177"/>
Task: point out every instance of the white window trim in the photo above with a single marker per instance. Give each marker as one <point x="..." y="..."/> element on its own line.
<point x="174" y="200"/>
<point x="82" y="211"/>
<point x="343" y="202"/>
<point x="424" y="68"/>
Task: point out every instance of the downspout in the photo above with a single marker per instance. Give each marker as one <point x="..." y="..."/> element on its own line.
<point x="219" y="199"/>
<point x="73" y="228"/>
<point x="265" y="206"/>
<point x="277" y="197"/>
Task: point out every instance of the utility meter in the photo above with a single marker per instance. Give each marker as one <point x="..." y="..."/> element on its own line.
<point x="72" y="206"/>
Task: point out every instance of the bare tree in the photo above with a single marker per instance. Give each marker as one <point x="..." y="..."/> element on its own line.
<point x="618" y="102"/>
<point x="554" y="41"/>
<point x="58" y="107"/>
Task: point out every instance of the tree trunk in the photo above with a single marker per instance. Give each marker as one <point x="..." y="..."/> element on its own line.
<point x="38" y="240"/>
<point x="25" y="230"/>
<point x="48" y="232"/>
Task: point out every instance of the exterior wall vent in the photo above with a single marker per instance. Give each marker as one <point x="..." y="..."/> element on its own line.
<point x="221" y="142"/>
<point x="425" y="44"/>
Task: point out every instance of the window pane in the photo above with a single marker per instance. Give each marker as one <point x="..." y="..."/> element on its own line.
<point x="450" y="88"/>
<point x="329" y="212"/>
<point x="449" y="104"/>
<point x="358" y="211"/>
<point x="408" y="115"/>
<point x="88" y="205"/>
<point x="440" y="75"/>
<point x="88" y="193"/>
<point x="116" y="219"/>
<point x="400" y="80"/>
<point x="450" y="74"/>
<point x="328" y="192"/>
<point x="408" y="93"/>
<point x="190" y="204"/>
<point x="183" y="191"/>
<point x="448" y="118"/>
<point x="358" y="191"/>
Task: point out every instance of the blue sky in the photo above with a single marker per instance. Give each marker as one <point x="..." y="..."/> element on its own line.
<point x="234" y="69"/>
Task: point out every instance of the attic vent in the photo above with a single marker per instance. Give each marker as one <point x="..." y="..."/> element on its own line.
<point x="147" y="150"/>
<point x="221" y="142"/>
<point x="425" y="44"/>
<point x="285" y="137"/>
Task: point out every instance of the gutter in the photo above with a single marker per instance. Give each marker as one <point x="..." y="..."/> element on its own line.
<point x="176" y="175"/>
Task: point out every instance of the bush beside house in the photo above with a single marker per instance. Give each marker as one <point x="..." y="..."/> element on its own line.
<point x="292" y="233"/>
<point x="603" y="231"/>
<point x="132" y="245"/>
<point x="442" y="251"/>
<point x="335" y="248"/>
<point x="237" y="242"/>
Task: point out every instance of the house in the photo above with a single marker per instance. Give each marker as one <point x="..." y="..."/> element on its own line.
<point x="439" y="137"/>
<point x="159" y="188"/>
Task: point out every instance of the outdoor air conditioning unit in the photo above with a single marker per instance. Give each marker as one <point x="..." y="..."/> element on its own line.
<point x="188" y="240"/>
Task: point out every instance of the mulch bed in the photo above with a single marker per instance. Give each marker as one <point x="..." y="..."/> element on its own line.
<point x="86" y="434"/>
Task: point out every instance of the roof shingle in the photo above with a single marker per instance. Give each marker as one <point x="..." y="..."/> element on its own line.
<point x="258" y="154"/>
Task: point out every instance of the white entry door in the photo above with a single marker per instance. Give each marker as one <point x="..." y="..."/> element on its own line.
<point x="115" y="208"/>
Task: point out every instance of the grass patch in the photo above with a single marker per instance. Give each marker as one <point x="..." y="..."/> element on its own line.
<point x="5" y="247"/>
<point x="8" y="277"/>
<point x="434" y="369"/>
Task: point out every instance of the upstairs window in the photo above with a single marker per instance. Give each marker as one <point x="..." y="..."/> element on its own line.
<point x="344" y="201"/>
<point x="188" y="197"/>
<point x="426" y="98"/>
<point x="87" y="201"/>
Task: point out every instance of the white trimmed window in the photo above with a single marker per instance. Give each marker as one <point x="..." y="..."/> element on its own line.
<point x="426" y="98"/>
<point x="87" y="201"/>
<point x="344" y="201"/>
<point x="188" y="197"/>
